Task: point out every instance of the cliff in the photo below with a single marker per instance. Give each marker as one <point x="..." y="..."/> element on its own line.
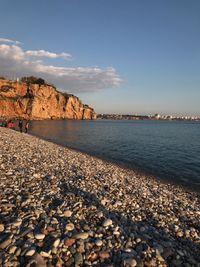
<point x="19" y="100"/>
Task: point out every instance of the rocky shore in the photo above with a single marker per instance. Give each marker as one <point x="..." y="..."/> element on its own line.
<point x="59" y="207"/>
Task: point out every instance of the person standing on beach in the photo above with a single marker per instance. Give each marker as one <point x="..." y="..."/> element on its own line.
<point x="10" y="125"/>
<point x="26" y="126"/>
<point x="20" y="124"/>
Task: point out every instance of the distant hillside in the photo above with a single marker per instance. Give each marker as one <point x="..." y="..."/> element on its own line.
<point x="40" y="101"/>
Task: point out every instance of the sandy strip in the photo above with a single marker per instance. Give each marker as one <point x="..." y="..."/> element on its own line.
<point x="60" y="207"/>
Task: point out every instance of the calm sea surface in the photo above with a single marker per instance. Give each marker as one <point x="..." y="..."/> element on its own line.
<point x="170" y="150"/>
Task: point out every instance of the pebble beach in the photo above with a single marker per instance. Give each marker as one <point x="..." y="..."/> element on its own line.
<point x="60" y="207"/>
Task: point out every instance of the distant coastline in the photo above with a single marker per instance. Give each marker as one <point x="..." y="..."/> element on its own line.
<point x="147" y="117"/>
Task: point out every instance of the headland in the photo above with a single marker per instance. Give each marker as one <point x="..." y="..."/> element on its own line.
<point x="33" y="98"/>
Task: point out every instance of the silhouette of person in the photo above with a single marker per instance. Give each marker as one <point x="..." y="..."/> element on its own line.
<point x="20" y="124"/>
<point x="26" y="126"/>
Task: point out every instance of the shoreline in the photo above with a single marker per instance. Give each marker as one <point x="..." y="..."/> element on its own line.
<point x="138" y="171"/>
<point x="63" y="207"/>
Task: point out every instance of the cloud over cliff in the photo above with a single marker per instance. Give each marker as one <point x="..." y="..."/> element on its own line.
<point x="16" y="62"/>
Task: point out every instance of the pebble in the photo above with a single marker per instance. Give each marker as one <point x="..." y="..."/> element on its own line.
<point x="12" y="249"/>
<point x="130" y="262"/>
<point x="78" y="259"/>
<point x="69" y="227"/>
<point x="83" y="236"/>
<point x="56" y="243"/>
<point x="2" y="227"/>
<point x="18" y="252"/>
<point x="107" y="222"/>
<point x="99" y="242"/>
<point x="40" y="236"/>
<point x="30" y="252"/>
<point x="5" y="243"/>
<point x="92" y="256"/>
<point x="69" y="242"/>
<point x="67" y="213"/>
<point x="60" y="207"/>
<point x="17" y="223"/>
<point x="104" y="254"/>
<point x="39" y="260"/>
<point x="45" y="254"/>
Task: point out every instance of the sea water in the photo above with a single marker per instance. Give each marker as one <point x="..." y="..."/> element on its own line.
<point x="168" y="150"/>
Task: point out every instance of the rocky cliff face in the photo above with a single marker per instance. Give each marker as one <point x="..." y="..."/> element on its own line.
<point x="19" y="100"/>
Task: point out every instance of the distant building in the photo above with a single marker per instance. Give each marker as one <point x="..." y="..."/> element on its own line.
<point x="157" y="116"/>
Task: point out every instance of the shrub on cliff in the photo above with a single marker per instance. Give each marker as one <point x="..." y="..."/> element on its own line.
<point x="33" y="80"/>
<point x="40" y="81"/>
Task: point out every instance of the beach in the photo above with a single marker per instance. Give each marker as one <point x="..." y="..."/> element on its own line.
<point x="60" y="207"/>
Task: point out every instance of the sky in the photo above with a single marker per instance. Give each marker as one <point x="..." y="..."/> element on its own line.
<point x="118" y="56"/>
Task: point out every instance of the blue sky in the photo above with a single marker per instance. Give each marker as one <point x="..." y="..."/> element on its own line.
<point x="118" y="56"/>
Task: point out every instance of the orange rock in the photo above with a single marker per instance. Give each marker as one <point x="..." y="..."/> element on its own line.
<point x="104" y="254"/>
<point x="92" y="257"/>
<point x="40" y="102"/>
<point x="44" y="231"/>
<point x="69" y="242"/>
<point x="2" y="227"/>
<point x="50" y="229"/>
<point x="81" y="248"/>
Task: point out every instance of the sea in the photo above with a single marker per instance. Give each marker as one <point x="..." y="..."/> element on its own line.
<point x="167" y="150"/>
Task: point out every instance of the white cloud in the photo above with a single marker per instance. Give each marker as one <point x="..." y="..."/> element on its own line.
<point x="15" y="62"/>
<point x="4" y="40"/>
<point x="11" y="52"/>
<point x="43" y="53"/>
